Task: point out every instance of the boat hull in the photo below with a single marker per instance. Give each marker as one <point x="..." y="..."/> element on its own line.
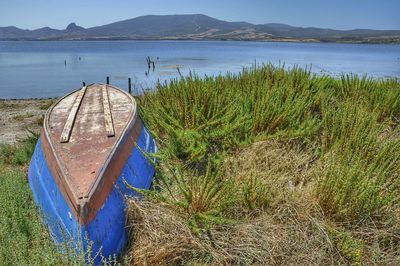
<point x="105" y="234"/>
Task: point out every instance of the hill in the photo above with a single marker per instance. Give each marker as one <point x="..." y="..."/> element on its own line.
<point x="199" y="27"/>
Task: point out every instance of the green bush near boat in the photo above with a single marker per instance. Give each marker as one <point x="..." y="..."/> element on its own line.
<point x="354" y="121"/>
<point x="269" y="166"/>
<point x="23" y="239"/>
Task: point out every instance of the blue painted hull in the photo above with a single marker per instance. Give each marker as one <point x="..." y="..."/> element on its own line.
<point x="106" y="233"/>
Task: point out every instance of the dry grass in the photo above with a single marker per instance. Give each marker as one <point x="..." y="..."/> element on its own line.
<point x="290" y="233"/>
<point x="292" y="229"/>
<point x="291" y="236"/>
<point x="381" y="245"/>
<point x="280" y="164"/>
<point x="22" y="117"/>
<point x="159" y="235"/>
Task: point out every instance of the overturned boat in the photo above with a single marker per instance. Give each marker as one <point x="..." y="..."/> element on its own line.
<point x="92" y="148"/>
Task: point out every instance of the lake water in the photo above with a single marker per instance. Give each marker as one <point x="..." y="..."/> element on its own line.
<point x="37" y="69"/>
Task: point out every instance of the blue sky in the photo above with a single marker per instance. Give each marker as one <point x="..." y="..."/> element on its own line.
<point x="338" y="14"/>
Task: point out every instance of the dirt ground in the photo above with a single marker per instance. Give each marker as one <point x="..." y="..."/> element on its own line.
<point x="19" y="117"/>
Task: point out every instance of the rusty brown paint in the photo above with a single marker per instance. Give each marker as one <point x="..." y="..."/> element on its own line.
<point x="117" y="160"/>
<point x="86" y="167"/>
<point x="58" y="174"/>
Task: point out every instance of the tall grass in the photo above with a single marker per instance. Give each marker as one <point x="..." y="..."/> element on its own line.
<point x="360" y="178"/>
<point x="351" y="122"/>
<point x="197" y="118"/>
<point x="196" y="115"/>
<point x="212" y="196"/>
<point x="19" y="154"/>
<point x="380" y="96"/>
<point x="287" y="101"/>
<point x="335" y="144"/>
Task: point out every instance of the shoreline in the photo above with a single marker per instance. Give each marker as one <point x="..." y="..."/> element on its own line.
<point x="3" y="100"/>
<point x="282" y="40"/>
<point x="28" y="99"/>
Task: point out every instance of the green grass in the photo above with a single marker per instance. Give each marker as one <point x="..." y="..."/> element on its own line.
<point x="269" y="166"/>
<point x="19" y="154"/>
<point x="352" y="119"/>
<point x="47" y="105"/>
<point x="23" y="238"/>
<point x="23" y="116"/>
<point x="360" y="176"/>
<point x="350" y="124"/>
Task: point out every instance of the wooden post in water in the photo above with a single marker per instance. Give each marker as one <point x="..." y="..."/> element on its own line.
<point x="129" y="86"/>
<point x="108" y="80"/>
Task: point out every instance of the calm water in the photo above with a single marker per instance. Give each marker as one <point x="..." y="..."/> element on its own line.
<point x="37" y="69"/>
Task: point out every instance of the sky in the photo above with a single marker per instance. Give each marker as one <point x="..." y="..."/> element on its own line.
<point x="336" y="14"/>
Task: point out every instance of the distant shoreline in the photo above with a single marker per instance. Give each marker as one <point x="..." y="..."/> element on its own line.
<point x="2" y="100"/>
<point x="285" y="40"/>
<point x="200" y="27"/>
<point x="40" y="99"/>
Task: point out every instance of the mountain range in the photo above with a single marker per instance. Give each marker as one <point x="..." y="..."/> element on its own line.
<point x="199" y="27"/>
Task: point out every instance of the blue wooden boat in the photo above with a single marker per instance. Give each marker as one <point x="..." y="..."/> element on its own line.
<point x="92" y="145"/>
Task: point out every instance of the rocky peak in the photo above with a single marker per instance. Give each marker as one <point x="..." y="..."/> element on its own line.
<point x="73" y="27"/>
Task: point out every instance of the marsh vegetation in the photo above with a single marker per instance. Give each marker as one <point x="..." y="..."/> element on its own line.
<point x="268" y="166"/>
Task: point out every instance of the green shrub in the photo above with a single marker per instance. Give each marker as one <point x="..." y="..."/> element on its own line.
<point x="196" y="116"/>
<point x="348" y="124"/>
<point x="256" y="194"/>
<point x="360" y="174"/>
<point x="284" y="105"/>
<point x="350" y="247"/>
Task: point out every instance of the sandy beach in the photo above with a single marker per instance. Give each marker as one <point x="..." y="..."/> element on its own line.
<point x="20" y="117"/>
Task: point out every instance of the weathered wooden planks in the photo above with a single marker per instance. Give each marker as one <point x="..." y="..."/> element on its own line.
<point x="80" y="186"/>
<point x="66" y="133"/>
<point x="86" y="154"/>
<point x="107" y="113"/>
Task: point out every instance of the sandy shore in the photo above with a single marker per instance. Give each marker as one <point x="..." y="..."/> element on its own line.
<point x="18" y="117"/>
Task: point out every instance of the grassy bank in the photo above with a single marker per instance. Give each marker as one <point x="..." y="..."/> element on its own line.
<point x="23" y="239"/>
<point x="270" y="166"/>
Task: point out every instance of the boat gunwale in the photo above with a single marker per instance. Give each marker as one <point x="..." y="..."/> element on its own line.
<point x="80" y="205"/>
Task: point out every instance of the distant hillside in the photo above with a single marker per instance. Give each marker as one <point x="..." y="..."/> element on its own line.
<point x="199" y="27"/>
